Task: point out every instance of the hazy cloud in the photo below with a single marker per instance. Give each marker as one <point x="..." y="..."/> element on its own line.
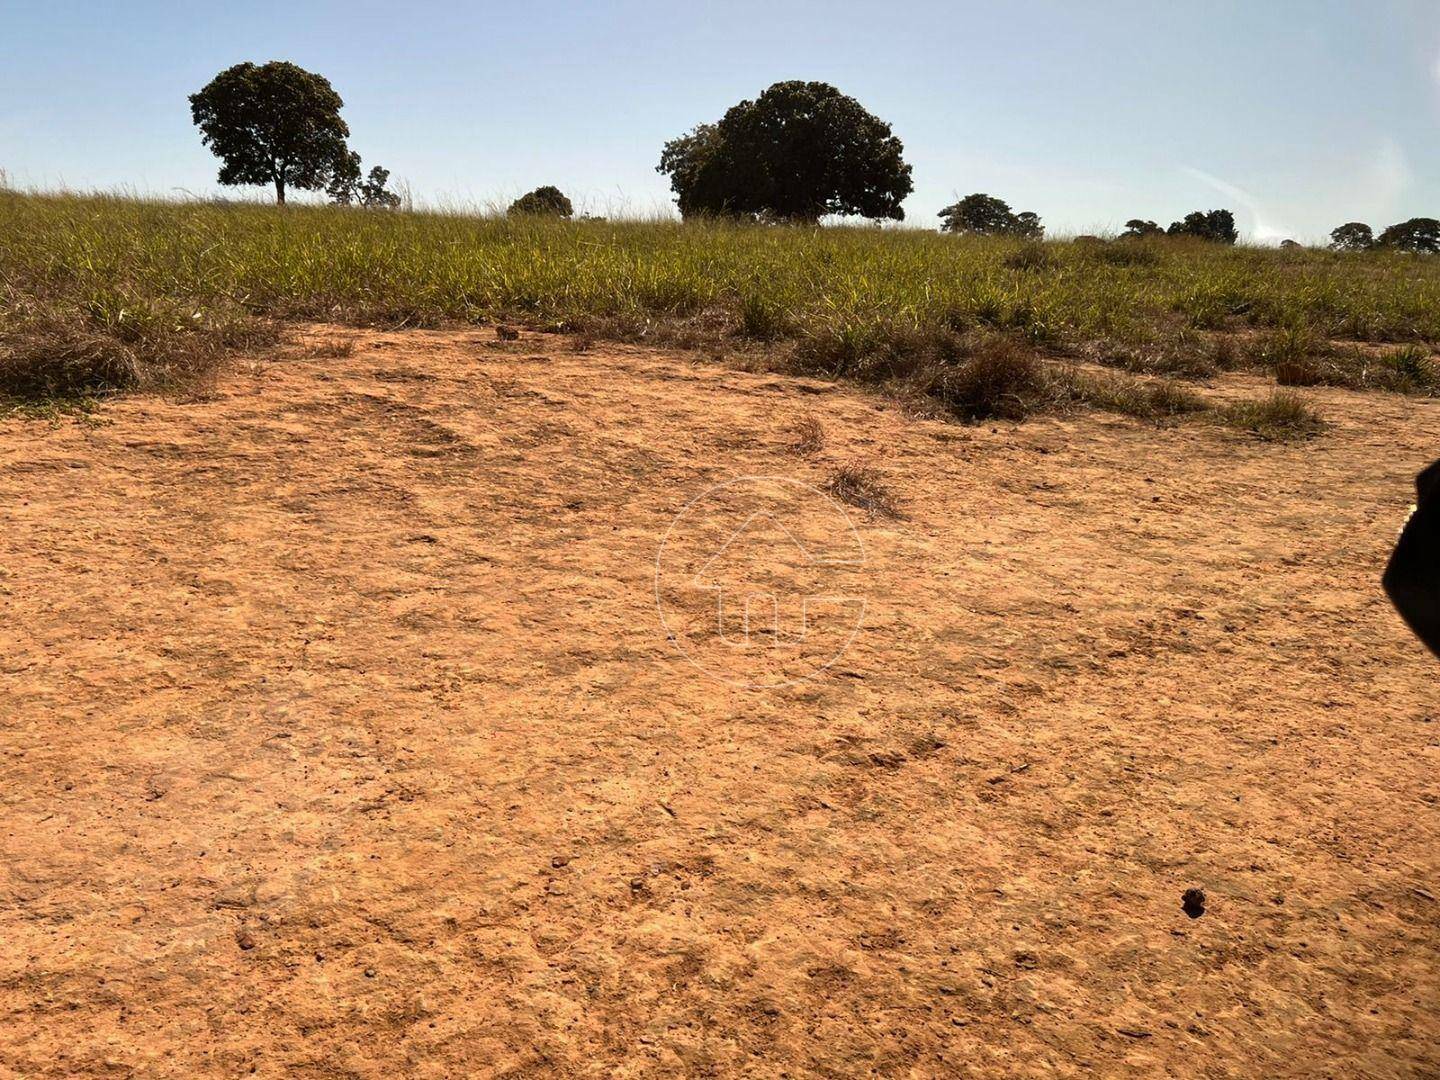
<point x="1263" y="228"/>
<point x="1388" y="176"/>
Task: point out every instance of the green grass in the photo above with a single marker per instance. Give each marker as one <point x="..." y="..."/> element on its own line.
<point x="101" y="293"/>
<point x="1282" y="417"/>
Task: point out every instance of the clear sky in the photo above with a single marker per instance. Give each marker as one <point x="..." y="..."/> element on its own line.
<point x="1297" y="114"/>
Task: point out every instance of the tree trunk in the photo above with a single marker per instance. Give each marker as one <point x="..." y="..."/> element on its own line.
<point x="279" y="191"/>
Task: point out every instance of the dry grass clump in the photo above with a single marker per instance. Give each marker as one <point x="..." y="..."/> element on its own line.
<point x="55" y="350"/>
<point x="807" y="437"/>
<point x="1033" y="256"/>
<point x="1181" y="356"/>
<point x="331" y="348"/>
<point x="1284" y="416"/>
<point x="863" y="488"/>
<point x="997" y="381"/>
<point x="1153" y="399"/>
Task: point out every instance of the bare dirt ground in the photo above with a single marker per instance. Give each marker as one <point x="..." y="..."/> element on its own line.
<point x="342" y="738"/>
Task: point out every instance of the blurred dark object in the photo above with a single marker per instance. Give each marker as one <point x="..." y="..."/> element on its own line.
<point x="1412" y="579"/>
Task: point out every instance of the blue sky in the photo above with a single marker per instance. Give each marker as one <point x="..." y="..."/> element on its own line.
<point x="1297" y="115"/>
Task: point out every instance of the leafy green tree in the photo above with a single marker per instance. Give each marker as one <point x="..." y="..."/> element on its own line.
<point x="1218" y="226"/>
<point x="985" y="215"/>
<point x="346" y="186"/>
<point x="798" y="152"/>
<point x="1140" y="229"/>
<point x="1027" y="225"/>
<point x="547" y="201"/>
<point x="1352" y="236"/>
<point x="1419" y="235"/>
<point x="272" y="123"/>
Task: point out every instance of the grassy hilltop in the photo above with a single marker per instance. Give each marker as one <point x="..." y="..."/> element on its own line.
<point x="102" y="293"/>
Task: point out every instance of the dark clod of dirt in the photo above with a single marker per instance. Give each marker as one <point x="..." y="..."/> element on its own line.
<point x="244" y="939"/>
<point x="1193" y="902"/>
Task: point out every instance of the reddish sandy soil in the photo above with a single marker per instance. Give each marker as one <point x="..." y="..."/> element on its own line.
<point x="342" y="738"/>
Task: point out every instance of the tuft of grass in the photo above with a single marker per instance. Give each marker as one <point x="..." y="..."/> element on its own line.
<point x="56" y="350"/>
<point x="762" y="318"/>
<point x="1284" y="416"/>
<point x="1157" y="399"/>
<point x="1033" y="256"/>
<point x="1181" y="356"/>
<point x="999" y="380"/>
<point x="1412" y="369"/>
<point x="1124" y="253"/>
<point x="862" y="488"/>
<point x="807" y="437"/>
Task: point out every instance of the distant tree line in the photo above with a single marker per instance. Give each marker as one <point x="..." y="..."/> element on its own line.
<point x="1217" y="226"/>
<point x="1419" y="235"/>
<point x="799" y="152"/>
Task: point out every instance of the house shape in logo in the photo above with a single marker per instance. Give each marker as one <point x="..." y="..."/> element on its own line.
<point x="768" y="585"/>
